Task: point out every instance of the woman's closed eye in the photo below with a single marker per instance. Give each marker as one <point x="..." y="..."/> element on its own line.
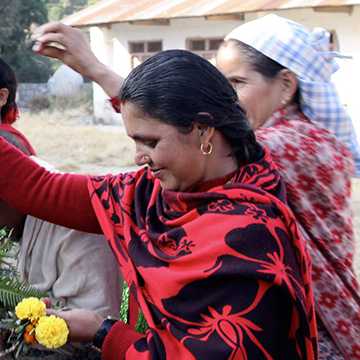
<point x="237" y="82"/>
<point x="144" y="141"/>
<point x="150" y="143"/>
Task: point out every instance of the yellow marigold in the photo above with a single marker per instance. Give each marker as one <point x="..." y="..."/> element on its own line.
<point x="30" y="308"/>
<point x="51" y="332"/>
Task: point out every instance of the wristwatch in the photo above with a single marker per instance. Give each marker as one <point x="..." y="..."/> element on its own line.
<point x="103" y="331"/>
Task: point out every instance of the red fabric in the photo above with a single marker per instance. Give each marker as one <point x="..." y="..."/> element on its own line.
<point x="116" y="104"/>
<point x="120" y="336"/>
<point x="317" y="171"/>
<point x="207" y="267"/>
<point x="57" y="198"/>
<point x="133" y="312"/>
<point x="23" y="140"/>
<point x="11" y="115"/>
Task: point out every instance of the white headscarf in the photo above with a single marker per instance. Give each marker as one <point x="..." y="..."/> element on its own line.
<point x="307" y="55"/>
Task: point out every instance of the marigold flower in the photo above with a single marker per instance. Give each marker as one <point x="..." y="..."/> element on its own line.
<point x="29" y="335"/>
<point x="51" y="332"/>
<point x="30" y="309"/>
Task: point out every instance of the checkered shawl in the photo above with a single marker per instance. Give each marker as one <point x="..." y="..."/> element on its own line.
<point x="307" y="55"/>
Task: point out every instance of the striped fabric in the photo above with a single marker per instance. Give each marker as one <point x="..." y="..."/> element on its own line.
<point x="307" y="55"/>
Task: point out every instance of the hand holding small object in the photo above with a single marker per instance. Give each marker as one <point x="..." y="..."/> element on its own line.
<point x="67" y="44"/>
<point x="70" y="46"/>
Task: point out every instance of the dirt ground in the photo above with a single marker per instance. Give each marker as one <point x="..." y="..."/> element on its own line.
<point x="65" y="141"/>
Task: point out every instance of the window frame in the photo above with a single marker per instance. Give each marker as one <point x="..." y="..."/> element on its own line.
<point x="207" y="53"/>
<point x="139" y="57"/>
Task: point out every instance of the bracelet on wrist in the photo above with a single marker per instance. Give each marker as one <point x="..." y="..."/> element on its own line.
<point x="103" y="330"/>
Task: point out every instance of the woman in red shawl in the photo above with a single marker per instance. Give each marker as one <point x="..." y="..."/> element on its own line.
<point x="8" y="115"/>
<point x="202" y="233"/>
<point x="9" y="111"/>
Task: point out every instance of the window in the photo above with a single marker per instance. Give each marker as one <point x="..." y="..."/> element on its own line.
<point x="206" y="48"/>
<point x="214" y="44"/>
<point x="142" y="50"/>
<point x="334" y="41"/>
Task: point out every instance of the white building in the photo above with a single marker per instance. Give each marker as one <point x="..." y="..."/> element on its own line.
<point x="125" y="32"/>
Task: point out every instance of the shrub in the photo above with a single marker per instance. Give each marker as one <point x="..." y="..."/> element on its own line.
<point x="39" y="103"/>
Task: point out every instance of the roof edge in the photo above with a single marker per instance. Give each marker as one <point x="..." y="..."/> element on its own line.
<point x="67" y="20"/>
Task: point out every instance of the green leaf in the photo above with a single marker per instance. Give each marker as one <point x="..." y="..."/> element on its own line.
<point x="12" y="291"/>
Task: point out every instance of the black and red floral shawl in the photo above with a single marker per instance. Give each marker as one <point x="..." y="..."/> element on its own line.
<point x="220" y="273"/>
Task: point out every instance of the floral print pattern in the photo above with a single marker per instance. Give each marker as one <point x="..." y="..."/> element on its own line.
<point x="317" y="171"/>
<point x="208" y="265"/>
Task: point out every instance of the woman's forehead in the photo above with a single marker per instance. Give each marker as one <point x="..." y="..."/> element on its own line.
<point x="138" y="124"/>
<point x="232" y="62"/>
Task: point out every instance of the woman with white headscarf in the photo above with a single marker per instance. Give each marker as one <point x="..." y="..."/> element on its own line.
<point x="282" y="74"/>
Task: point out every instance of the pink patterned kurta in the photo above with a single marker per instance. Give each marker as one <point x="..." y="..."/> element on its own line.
<point x="317" y="171"/>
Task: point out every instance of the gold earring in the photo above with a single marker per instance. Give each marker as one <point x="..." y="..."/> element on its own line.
<point x="208" y="150"/>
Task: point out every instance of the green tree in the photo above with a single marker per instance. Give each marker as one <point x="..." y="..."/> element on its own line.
<point x="17" y="16"/>
<point x="61" y="8"/>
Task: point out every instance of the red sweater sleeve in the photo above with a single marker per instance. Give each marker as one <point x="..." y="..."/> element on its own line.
<point x="61" y="199"/>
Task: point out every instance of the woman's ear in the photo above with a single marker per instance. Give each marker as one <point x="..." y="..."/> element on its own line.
<point x="202" y="125"/>
<point x="289" y="84"/>
<point x="4" y="94"/>
<point x="205" y="132"/>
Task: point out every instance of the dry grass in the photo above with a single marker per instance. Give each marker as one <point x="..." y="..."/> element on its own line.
<point x="65" y="141"/>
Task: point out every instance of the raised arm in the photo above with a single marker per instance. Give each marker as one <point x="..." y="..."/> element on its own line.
<point x="70" y="46"/>
<point x="58" y="198"/>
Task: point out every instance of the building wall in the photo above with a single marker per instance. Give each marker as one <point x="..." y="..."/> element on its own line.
<point x="111" y="43"/>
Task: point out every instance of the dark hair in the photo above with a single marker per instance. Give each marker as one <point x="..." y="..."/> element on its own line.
<point x="261" y="63"/>
<point x="8" y="81"/>
<point x="177" y="86"/>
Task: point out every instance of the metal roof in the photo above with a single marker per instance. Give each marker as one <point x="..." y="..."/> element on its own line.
<point x="116" y="11"/>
